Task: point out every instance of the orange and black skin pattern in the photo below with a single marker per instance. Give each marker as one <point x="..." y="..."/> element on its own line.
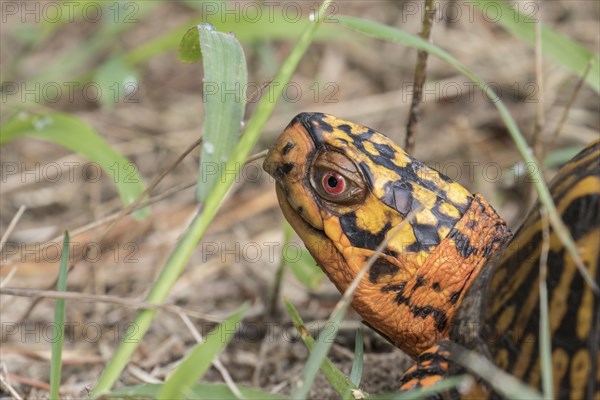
<point x="451" y="271"/>
<point x="509" y="313"/>
<point x="343" y="186"/>
<point x="430" y="368"/>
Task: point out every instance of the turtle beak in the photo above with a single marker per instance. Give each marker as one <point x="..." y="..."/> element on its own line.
<point x="287" y="157"/>
<point x="272" y="160"/>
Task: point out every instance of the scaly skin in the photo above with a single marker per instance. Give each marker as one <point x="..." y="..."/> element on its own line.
<point x="417" y="292"/>
<point x="414" y="288"/>
<point x="508" y="309"/>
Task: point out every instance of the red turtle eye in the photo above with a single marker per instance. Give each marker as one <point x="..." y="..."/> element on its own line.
<point x="336" y="180"/>
<point x="333" y="183"/>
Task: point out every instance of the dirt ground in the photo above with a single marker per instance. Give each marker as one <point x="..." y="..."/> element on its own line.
<point x="360" y="79"/>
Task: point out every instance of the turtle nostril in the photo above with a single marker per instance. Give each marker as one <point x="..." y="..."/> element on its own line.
<point x="269" y="167"/>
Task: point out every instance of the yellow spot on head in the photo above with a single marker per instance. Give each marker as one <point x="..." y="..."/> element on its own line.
<point x="457" y="194"/>
<point x="426" y="217"/>
<point x="370" y="148"/>
<point x="449" y="210"/>
<point x="424" y="196"/>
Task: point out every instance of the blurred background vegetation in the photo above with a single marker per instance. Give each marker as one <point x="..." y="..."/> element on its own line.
<point x="111" y="68"/>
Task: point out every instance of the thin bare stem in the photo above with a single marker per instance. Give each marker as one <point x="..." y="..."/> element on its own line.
<point x="216" y="362"/>
<point x="419" y="79"/>
<point x="93" y="298"/>
<point x="11" y="226"/>
<point x="4" y="382"/>
<point x="14" y="221"/>
<point x="116" y="214"/>
<point x="113" y="218"/>
<point x="540" y="106"/>
<point x="150" y="187"/>
<point x="565" y="114"/>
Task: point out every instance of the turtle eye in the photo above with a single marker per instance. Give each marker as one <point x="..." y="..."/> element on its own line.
<point x="333" y="183"/>
<point x="335" y="179"/>
<point x="335" y="187"/>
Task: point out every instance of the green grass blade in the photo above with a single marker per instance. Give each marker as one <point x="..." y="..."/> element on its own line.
<point x="224" y="82"/>
<point x="558" y="157"/>
<point x="78" y="136"/>
<point x="357" y="364"/>
<point x="559" y="48"/>
<point x="545" y="345"/>
<point x="501" y="381"/>
<point x="182" y="253"/>
<point x="212" y="391"/>
<point x="319" y="352"/>
<point x="197" y="362"/>
<point x="59" y="321"/>
<point x="392" y="34"/>
<point x="338" y="380"/>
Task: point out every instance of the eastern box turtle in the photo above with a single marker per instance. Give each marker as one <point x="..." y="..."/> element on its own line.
<point x="454" y="272"/>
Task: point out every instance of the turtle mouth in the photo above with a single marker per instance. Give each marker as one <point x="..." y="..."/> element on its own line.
<point x="293" y="213"/>
<point x="320" y="246"/>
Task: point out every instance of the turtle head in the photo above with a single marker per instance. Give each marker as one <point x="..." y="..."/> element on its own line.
<point x="343" y="187"/>
<point x="351" y="185"/>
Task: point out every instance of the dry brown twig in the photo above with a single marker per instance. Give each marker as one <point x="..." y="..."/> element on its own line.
<point x="538" y="128"/>
<point x="93" y="298"/>
<point x="135" y="205"/>
<point x="122" y="213"/>
<point x="117" y="214"/>
<point x="419" y="79"/>
<point x="14" y="221"/>
<point x="4" y="382"/>
<point x="565" y="114"/>
<point x="216" y="362"/>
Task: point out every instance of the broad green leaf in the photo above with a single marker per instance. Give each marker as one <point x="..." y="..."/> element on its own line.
<point x="189" y="48"/>
<point x="207" y="391"/>
<point x="117" y="82"/>
<point x="559" y="48"/>
<point x="224" y="87"/>
<point x="78" y="136"/>
<point x="59" y="321"/>
<point x="200" y="358"/>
